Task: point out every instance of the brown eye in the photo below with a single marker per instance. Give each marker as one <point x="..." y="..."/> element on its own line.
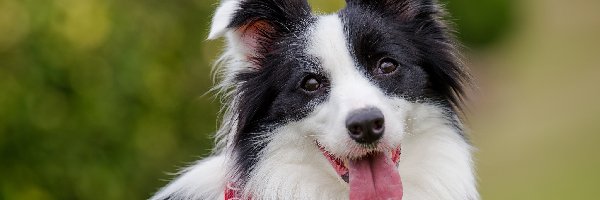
<point x="387" y="66"/>
<point x="311" y="84"/>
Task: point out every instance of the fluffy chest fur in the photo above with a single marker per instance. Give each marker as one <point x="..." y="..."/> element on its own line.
<point x="317" y="103"/>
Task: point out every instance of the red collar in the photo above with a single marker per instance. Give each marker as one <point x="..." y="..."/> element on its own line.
<point x="232" y="192"/>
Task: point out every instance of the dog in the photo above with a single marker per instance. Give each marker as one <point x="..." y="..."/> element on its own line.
<point x="365" y="103"/>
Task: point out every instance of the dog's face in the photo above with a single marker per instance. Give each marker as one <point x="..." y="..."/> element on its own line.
<point x="341" y="85"/>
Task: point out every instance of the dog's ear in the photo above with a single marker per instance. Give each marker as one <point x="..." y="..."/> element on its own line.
<point x="402" y="10"/>
<point x="256" y="24"/>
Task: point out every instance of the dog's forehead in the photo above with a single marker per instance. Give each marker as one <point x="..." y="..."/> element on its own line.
<point x="328" y="43"/>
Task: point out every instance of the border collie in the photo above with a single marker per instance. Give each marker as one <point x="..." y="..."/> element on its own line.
<point x="361" y="104"/>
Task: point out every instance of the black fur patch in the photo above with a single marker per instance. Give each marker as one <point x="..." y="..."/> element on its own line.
<point x="412" y="33"/>
<point x="270" y="94"/>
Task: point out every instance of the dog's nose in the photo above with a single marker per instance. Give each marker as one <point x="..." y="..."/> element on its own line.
<point x="366" y="125"/>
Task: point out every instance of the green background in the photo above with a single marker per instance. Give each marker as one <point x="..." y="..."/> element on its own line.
<point x="103" y="99"/>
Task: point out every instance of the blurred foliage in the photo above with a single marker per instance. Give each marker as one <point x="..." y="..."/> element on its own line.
<point x="481" y="23"/>
<point x="99" y="99"/>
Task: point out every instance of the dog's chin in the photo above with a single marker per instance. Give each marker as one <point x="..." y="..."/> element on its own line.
<point x="340" y="164"/>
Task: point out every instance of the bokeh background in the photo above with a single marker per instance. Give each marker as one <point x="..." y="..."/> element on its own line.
<point x="103" y="99"/>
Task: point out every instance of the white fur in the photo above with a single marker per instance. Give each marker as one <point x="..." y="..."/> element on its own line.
<point x="222" y="18"/>
<point x="435" y="161"/>
<point x="204" y="180"/>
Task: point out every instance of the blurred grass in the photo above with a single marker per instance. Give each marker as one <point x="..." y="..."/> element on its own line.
<point x="100" y="99"/>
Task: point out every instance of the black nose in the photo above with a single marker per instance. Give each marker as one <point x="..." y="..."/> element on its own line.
<point x="366" y="125"/>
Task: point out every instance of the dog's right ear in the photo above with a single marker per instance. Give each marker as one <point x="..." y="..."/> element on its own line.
<point x="256" y="24"/>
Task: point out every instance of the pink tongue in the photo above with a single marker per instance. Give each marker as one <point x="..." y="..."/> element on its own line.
<point x="374" y="177"/>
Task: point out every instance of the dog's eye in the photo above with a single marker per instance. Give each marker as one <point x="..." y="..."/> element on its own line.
<point x="386" y="66"/>
<point x="311" y="84"/>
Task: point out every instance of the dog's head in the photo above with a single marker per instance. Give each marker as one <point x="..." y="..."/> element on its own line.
<point x="339" y="85"/>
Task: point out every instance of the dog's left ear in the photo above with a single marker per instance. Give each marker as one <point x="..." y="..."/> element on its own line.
<point x="257" y="24"/>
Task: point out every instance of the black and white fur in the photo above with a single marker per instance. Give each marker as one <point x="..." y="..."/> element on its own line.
<point x="266" y="143"/>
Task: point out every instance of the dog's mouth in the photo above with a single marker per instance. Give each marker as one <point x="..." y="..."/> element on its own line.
<point x="372" y="176"/>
